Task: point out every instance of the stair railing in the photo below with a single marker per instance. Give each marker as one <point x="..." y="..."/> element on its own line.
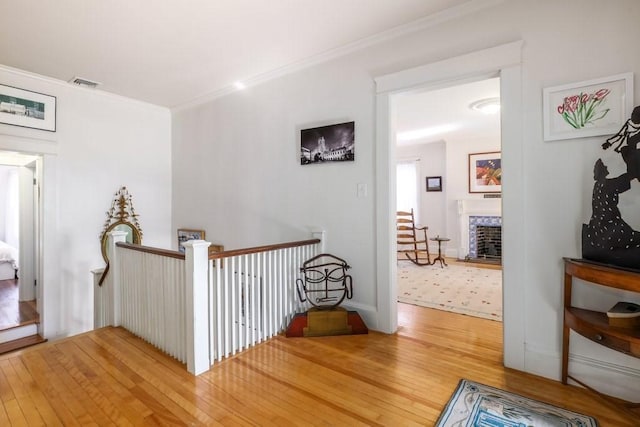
<point x="202" y="306"/>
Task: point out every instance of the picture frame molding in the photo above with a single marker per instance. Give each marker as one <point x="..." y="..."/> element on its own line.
<point x="432" y="187"/>
<point x="551" y="96"/>
<point x="474" y="187"/>
<point x="47" y="123"/>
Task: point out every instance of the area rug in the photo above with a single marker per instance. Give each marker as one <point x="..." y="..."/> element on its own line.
<point x="457" y="288"/>
<point x="478" y="405"/>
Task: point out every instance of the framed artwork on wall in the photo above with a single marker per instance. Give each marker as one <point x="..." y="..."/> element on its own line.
<point x="216" y="248"/>
<point x="20" y="107"/>
<point x="485" y="172"/>
<point x="588" y="108"/>
<point x="333" y="143"/>
<point x="434" y="183"/>
<point x="186" y="234"/>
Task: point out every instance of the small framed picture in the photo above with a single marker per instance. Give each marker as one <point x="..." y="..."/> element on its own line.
<point x="589" y="108"/>
<point x="434" y="183"/>
<point x="20" y="107"/>
<point x="214" y="249"/>
<point x="186" y="234"/>
<point x="485" y="172"/>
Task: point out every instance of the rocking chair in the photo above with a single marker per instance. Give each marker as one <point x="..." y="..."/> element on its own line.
<point x="412" y="241"/>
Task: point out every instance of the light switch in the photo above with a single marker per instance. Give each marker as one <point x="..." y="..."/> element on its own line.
<point x="361" y="190"/>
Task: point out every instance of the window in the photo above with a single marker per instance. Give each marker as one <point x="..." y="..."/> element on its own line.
<point x="407" y="186"/>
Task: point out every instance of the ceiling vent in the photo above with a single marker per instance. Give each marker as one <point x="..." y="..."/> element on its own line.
<point x="84" y="82"/>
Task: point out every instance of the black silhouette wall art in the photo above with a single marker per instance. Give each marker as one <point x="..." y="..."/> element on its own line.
<point x="608" y="238"/>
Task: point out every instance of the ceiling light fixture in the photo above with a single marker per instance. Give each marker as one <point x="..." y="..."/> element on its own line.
<point x="486" y="105"/>
<point x="239" y="85"/>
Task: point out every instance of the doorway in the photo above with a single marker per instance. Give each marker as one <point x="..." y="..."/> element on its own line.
<point x="437" y="132"/>
<point x="19" y="231"/>
<point x="503" y="60"/>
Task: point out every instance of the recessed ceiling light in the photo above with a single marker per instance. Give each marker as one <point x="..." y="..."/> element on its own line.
<point x="239" y="85"/>
<point x="486" y="106"/>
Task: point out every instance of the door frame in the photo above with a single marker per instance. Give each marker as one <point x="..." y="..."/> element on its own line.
<point x="504" y="61"/>
<point x="47" y="275"/>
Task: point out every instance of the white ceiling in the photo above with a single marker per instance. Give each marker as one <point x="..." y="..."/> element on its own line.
<point x="170" y="52"/>
<point x="449" y="107"/>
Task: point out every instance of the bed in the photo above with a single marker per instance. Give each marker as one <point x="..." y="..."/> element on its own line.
<point x="8" y="261"/>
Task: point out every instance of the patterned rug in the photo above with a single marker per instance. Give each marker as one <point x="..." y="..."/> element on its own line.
<point x="457" y="288"/>
<point x="474" y="404"/>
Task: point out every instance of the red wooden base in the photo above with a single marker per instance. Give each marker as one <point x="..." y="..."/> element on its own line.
<point x="299" y="322"/>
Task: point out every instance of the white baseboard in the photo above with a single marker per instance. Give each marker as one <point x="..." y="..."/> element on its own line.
<point x="608" y="378"/>
<point x="613" y="379"/>
<point x="368" y="313"/>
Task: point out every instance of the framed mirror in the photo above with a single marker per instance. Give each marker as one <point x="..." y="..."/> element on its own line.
<point x="121" y="217"/>
<point x="133" y="235"/>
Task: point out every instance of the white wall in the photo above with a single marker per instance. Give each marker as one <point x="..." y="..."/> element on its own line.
<point x="431" y="204"/>
<point x="4" y="177"/>
<point x="102" y="142"/>
<point x="236" y="158"/>
<point x="457" y="158"/>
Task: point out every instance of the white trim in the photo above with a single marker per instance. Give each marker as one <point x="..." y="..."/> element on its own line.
<point x="67" y="85"/>
<point x="504" y="60"/>
<point x="48" y="273"/>
<point x="23" y="144"/>
<point x="366" y="311"/>
<point x="464" y="9"/>
<point x="613" y="379"/>
<point x="439" y="73"/>
<point x="17" y="333"/>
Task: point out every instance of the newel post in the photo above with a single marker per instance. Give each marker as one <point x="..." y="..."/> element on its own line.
<point x="197" y="310"/>
<point x="319" y="233"/>
<point x="113" y="274"/>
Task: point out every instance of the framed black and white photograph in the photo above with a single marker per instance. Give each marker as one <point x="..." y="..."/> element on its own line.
<point x="186" y="234"/>
<point x="434" y="183"/>
<point x="333" y="143"/>
<point x="19" y="107"/>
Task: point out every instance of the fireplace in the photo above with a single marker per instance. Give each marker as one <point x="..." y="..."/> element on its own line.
<point x="485" y="237"/>
<point x="474" y="213"/>
<point x="488" y="242"/>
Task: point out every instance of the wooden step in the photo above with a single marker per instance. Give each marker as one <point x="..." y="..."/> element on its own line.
<point x="21" y="343"/>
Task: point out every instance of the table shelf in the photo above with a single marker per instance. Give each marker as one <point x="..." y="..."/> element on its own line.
<point x="594" y="325"/>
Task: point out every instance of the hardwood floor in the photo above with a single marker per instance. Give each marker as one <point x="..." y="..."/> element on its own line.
<point x="13" y="312"/>
<point x="110" y="377"/>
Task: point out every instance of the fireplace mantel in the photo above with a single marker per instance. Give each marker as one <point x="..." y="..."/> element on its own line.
<point x="489" y="207"/>
<point x="474" y="207"/>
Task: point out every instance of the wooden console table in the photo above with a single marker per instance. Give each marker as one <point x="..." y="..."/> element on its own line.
<point x="594" y="325"/>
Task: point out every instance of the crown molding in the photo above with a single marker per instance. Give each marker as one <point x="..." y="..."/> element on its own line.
<point x="464" y="9"/>
<point x="67" y="85"/>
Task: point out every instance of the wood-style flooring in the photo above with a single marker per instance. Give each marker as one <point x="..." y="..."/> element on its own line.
<point x="13" y="312"/>
<point x="110" y="377"/>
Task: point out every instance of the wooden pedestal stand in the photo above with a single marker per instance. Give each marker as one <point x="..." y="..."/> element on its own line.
<point x="327" y="322"/>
